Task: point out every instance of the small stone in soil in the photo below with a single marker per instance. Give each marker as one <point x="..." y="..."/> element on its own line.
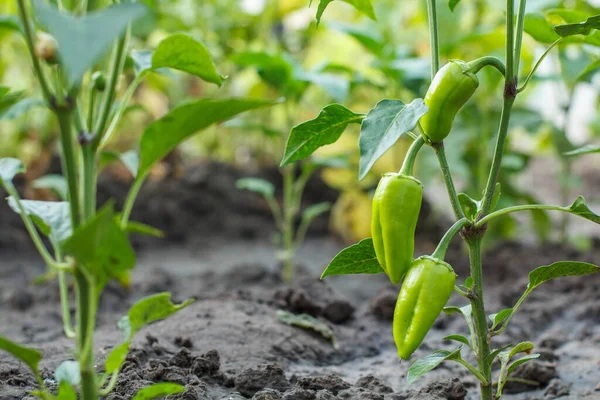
<point x="269" y="376"/>
<point x="297" y="393"/>
<point x="404" y="395"/>
<point x="555" y="389"/>
<point x="536" y="371"/>
<point x="358" y="393"/>
<point x="373" y="384"/>
<point x="267" y="394"/>
<point x="183" y="342"/>
<point x="183" y="358"/>
<point x="331" y="383"/>
<point x="206" y="364"/>
<point x="449" y="389"/>
<point x="324" y="395"/>
<point x="233" y="396"/>
<point x="21" y="299"/>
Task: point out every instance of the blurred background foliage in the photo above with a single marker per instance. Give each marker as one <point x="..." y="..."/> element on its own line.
<point x="274" y="49"/>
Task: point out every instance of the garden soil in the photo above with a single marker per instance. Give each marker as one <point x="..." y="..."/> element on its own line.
<point x="231" y="344"/>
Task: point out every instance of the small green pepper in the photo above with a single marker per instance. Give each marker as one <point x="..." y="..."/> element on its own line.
<point x="424" y="293"/>
<point x="450" y="89"/>
<point x="396" y="207"/>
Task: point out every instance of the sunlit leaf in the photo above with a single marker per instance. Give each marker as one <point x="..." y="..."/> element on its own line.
<point x="359" y="258"/>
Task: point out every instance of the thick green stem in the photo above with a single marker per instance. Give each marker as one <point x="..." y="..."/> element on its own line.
<point x="479" y="316"/>
<point x="411" y="156"/>
<point x="86" y="315"/>
<point x="519" y="35"/>
<point x="69" y="163"/>
<point x="524" y="207"/>
<point x="510" y="40"/>
<point x="31" y="47"/>
<point x="433" y="36"/>
<point x="288" y="223"/>
<point x="441" y="155"/>
<point x="498" y="153"/>
<point x="89" y="182"/>
<point x="476" y="65"/>
<point x="130" y="200"/>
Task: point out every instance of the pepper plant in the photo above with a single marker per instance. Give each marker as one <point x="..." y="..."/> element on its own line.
<point x="90" y="246"/>
<point x="429" y="281"/>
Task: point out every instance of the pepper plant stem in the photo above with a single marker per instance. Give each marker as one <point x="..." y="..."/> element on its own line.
<point x="441" y="156"/>
<point x="433" y="36"/>
<point x="89" y="181"/>
<point x="479" y="316"/>
<point x="411" y="156"/>
<point x="440" y="251"/>
<point x="85" y="331"/>
<point x="69" y="162"/>
<point x="288" y="223"/>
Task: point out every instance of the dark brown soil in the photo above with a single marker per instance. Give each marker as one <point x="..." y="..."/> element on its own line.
<point x="229" y="344"/>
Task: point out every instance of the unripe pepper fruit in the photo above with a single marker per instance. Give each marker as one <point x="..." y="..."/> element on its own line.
<point x="425" y="291"/>
<point x="451" y="88"/>
<point x="396" y="207"/>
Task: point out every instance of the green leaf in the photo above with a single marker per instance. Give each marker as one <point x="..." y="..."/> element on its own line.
<point x="307" y="322"/>
<point x="467" y="313"/>
<point x="261" y="186"/>
<point x="9" y="167"/>
<point x="11" y="22"/>
<point x="458" y="338"/>
<point x="359" y="258"/>
<point x="150" y="309"/>
<point x="164" y="135"/>
<point x="82" y="41"/>
<point x="325" y="129"/>
<point x="538" y="26"/>
<point x="101" y="247"/>
<point x="371" y="39"/>
<point x="557" y="270"/>
<point x="19" y="108"/>
<point x="426" y="364"/>
<point x="116" y="357"/>
<point x="522" y="360"/>
<point x="588" y="149"/>
<point x="56" y="183"/>
<point x="315" y="210"/>
<point x="29" y="356"/>
<point x="383" y="126"/>
<point x="66" y="392"/>
<point x="469" y="206"/>
<point x="581" y="28"/>
<point x="452" y="4"/>
<point x="275" y="69"/>
<point x="500" y="317"/>
<point x="142" y="229"/>
<point x="52" y="217"/>
<point x="157" y="390"/>
<point x="68" y="371"/>
<point x="130" y="159"/>
<point x="523" y="347"/>
<point x="496" y="352"/>
<point x="364" y="6"/>
<point x="184" y="53"/>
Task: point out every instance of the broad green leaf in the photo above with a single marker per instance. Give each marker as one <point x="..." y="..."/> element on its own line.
<point x="557" y="270"/>
<point x="83" y="41"/>
<point x="165" y="134"/>
<point x="261" y="186"/>
<point x="56" y="183"/>
<point x="68" y="371"/>
<point x="325" y="129"/>
<point x="426" y="364"/>
<point x="588" y="149"/>
<point x="275" y="69"/>
<point x="458" y="338"/>
<point x="523" y="347"/>
<point x="150" y="309"/>
<point x="359" y="258"/>
<point x="538" y="26"/>
<point x="52" y="217"/>
<point x="307" y="321"/>
<point x="500" y="317"/>
<point x="580" y="208"/>
<point x="383" y="126"/>
<point x="29" y="356"/>
<point x="364" y="6"/>
<point x="370" y="38"/>
<point x="184" y="53"/>
<point x="66" y="392"/>
<point x="315" y="210"/>
<point x="19" y="108"/>
<point x="158" y="390"/>
<point x="522" y="360"/>
<point x="469" y="206"/>
<point x="452" y="4"/>
<point x="116" y="357"/>
<point x="581" y="28"/>
<point x="101" y="247"/>
<point x="143" y="229"/>
<point x="9" y="167"/>
<point x="11" y="22"/>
